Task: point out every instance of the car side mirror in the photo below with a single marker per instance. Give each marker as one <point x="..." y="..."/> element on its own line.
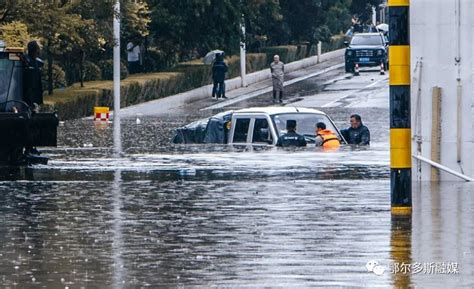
<point x="386" y="43"/>
<point x="346" y="43"/>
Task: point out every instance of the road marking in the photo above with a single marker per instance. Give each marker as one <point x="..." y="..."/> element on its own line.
<point x="269" y="89"/>
<point x="331" y="104"/>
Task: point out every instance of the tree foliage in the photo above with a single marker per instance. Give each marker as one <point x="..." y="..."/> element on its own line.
<point x="75" y="31"/>
<point x="363" y="8"/>
<point x="15" y="33"/>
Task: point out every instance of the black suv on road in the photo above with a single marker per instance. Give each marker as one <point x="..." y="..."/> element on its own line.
<point x="366" y="49"/>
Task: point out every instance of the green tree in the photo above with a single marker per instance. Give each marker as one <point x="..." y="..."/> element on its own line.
<point x="187" y="28"/>
<point x="339" y="17"/>
<point x="15" y="34"/>
<point x="307" y="19"/>
<point x="264" y="23"/>
<point x="363" y="8"/>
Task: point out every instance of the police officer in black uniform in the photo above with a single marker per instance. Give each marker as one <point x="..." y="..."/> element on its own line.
<point x="291" y="138"/>
<point x="32" y="86"/>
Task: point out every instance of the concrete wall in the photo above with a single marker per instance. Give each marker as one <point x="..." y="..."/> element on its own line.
<point x="434" y="45"/>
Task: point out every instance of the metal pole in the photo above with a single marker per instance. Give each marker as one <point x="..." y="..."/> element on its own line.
<point x="374" y="16"/>
<point x="400" y="122"/>
<point x="117" y="143"/>
<point x="319" y="48"/>
<point x="243" y="69"/>
<point x="443" y="168"/>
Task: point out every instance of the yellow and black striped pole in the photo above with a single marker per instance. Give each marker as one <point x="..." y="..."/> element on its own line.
<point x="400" y="123"/>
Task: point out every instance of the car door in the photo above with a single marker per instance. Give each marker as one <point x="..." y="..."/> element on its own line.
<point x="262" y="132"/>
<point x="240" y="132"/>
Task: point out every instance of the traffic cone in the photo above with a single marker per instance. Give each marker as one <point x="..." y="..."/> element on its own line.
<point x="382" y="69"/>
<point x="356" y="69"/>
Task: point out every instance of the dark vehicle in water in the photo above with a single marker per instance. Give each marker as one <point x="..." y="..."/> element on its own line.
<point x="20" y="126"/>
<point x="366" y="49"/>
<point x="253" y="126"/>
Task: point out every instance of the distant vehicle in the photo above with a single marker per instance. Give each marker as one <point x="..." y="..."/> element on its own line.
<point x="19" y="125"/>
<point x="254" y="126"/>
<point x="366" y="49"/>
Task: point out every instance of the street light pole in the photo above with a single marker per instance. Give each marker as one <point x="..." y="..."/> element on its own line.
<point x="243" y="61"/>
<point x="117" y="142"/>
<point x="374" y="16"/>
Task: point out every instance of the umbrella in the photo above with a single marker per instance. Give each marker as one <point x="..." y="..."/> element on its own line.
<point x="211" y="56"/>
<point x="383" y="27"/>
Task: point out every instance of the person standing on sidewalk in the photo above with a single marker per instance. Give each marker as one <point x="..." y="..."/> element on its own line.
<point x="133" y="57"/>
<point x="277" y="69"/>
<point x="219" y="70"/>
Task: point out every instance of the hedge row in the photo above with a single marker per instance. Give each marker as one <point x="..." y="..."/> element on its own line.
<point x="76" y="102"/>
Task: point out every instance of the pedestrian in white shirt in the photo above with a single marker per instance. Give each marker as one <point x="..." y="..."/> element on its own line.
<point x="133" y="57"/>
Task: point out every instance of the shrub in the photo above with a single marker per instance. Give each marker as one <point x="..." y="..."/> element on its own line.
<point x="256" y="62"/>
<point x="154" y="60"/>
<point x="107" y="67"/>
<point x="336" y="42"/>
<point x="287" y="53"/>
<point x="302" y="51"/>
<point x="59" y="76"/>
<point x="195" y="72"/>
<point x="75" y="101"/>
<point x="91" y="71"/>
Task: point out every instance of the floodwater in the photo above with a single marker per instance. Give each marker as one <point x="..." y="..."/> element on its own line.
<point x="159" y="215"/>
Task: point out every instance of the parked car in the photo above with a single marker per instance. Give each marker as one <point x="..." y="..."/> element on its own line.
<point x="366" y="49"/>
<point x="254" y="126"/>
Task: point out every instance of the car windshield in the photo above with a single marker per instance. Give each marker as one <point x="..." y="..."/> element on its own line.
<point x="6" y="70"/>
<point x="305" y="122"/>
<point x="367" y="40"/>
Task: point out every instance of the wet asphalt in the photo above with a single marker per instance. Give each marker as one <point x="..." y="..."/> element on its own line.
<point x="159" y="215"/>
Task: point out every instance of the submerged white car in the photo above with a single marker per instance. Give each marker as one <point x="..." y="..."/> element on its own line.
<point x="254" y="126"/>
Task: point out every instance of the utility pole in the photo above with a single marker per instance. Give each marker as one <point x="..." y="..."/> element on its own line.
<point x="400" y="122"/>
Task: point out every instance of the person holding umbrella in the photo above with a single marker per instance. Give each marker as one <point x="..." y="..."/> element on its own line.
<point x="277" y="69"/>
<point x="219" y="70"/>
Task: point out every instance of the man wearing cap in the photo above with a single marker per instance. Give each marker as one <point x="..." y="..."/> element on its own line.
<point x="291" y="138"/>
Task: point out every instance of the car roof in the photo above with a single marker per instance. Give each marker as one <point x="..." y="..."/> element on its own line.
<point x="272" y="110"/>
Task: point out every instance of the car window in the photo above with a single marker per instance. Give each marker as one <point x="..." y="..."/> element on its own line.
<point x="367" y="40"/>
<point x="241" y="130"/>
<point x="305" y="122"/>
<point x="261" y="131"/>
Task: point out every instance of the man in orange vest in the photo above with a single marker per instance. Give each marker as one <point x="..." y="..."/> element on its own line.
<point x="325" y="137"/>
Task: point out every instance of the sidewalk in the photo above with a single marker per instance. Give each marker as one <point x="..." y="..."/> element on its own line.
<point x="200" y="98"/>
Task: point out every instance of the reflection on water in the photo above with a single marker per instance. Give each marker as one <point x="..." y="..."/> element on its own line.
<point x="118" y="243"/>
<point x="220" y="216"/>
<point x="400" y="251"/>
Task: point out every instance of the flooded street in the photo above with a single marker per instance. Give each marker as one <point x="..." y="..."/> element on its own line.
<point x="160" y="215"/>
